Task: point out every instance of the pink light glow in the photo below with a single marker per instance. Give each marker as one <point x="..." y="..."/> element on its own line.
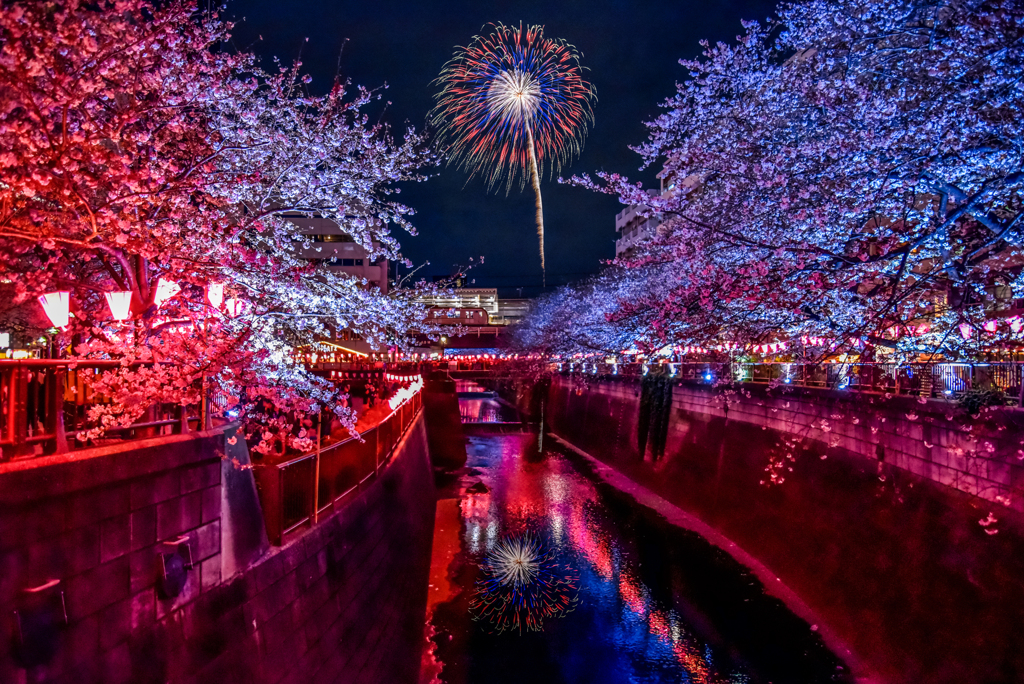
<point x="120" y="304"/>
<point x="991" y="326"/>
<point x="215" y="293"/>
<point x="965" y="330"/>
<point x="165" y="289"/>
<point x="56" y="306"/>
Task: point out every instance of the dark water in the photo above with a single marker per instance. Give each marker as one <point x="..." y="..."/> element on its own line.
<point x="477" y="404"/>
<point x="655" y="603"/>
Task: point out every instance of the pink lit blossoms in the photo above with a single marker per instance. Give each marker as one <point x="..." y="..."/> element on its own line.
<point x="138" y="155"/>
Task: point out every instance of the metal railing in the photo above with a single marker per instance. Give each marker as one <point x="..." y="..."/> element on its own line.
<point x="297" y="492"/>
<point x="914" y="379"/>
<point x="44" y="403"/>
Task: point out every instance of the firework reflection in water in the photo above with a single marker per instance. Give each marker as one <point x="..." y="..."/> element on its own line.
<point x="523" y="586"/>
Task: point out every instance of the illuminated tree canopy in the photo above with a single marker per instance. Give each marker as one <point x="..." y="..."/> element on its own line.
<point x="136" y="149"/>
<point x="853" y="171"/>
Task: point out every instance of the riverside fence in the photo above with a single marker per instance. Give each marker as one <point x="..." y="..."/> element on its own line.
<point x="44" y="405"/>
<point x="934" y="380"/>
<point x="297" y="492"/>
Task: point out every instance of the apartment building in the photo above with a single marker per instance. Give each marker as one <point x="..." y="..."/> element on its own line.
<point x="635" y="225"/>
<point x="339" y="252"/>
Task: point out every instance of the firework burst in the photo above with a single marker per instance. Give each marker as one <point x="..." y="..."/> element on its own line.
<point x="522" y="586"/>
<point x="514" y="103"/>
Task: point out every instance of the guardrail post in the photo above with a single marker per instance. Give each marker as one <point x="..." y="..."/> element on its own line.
<point x="205" y="418"/>
<point x="182" y="419"/>
<point x="376" y="448"/>
<point x="19" y="410"/>
<point x="55" y="410"/>
<point x="270" y="481"/>
<point x="316" y="473"/>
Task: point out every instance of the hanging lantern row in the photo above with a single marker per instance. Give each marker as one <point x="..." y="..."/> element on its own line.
<point x="1016" y="324"/>
<point x="691" y="350"/>
<point x="769" y="348"/>
<point x="57" y="304"/>
<point x="391" y="377"/>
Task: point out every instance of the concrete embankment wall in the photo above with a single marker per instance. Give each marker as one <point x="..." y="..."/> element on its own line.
<point x="445" y="436"/>
<point x="876" y="524"/>
<point x="933" y="439"/>
<point x="343" y="602"/>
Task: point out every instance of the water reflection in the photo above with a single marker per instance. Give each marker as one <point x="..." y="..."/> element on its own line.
<point x="625" y="629"/>
<point x="463" y="386"/>
<point x="523" y="586"/>
<point x="486" y="411"/>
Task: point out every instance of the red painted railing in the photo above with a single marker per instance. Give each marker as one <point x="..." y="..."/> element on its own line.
<point x="43" y="405"/>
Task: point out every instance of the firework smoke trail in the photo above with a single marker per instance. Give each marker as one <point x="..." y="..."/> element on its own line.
<point x="512" y="102"/>
<point x="523" y="586"/>
<point x="540" y="206"/>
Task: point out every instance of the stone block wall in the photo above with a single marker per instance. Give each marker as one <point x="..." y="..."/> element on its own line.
<point x="932" y="439"/>
<point x="97" y="522"/>
<point x="342" y="602"/>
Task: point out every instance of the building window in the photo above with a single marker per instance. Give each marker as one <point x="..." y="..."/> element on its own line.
<point x="348" y="262"/>
<point x="330" y="238"/>
<point x="359" y="262"/>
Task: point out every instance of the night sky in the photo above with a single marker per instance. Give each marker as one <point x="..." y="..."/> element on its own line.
<point x="630" y="48"/>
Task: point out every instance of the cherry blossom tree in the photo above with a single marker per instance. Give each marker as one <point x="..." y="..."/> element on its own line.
<point x="138" y="155"/>
<point x="851" y="170"/>
<point x="590" y="318"/>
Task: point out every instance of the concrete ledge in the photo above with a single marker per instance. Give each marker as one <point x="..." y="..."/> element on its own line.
<point x="49" y="476"/>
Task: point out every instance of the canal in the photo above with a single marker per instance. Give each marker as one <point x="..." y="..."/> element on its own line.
<point x="613" y="592"/>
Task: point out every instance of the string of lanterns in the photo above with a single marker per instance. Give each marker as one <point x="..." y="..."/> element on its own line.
<point x="57" y="305"/>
